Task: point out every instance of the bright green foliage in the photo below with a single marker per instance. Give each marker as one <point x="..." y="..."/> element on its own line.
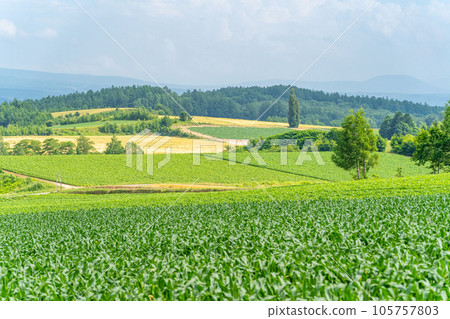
<point x="356" y="142"/>
<point x="370" y="249"/>
<point x="403" y="145"/>
<point x="51" y="147"/>
<point x="84" y="145"/>
<point x="185" y="117"/>
<point x="27" y="147"/>
<point x="446" y="121"/>
<point x="433" y="145"/>
<point x="115" y="146"/>
<point x="294" y="110"/>
<point x="401" y="124"/>
<point x="67" y="148"/>
<point x="324" y="140"/>
<point x="381" y="143"/>
<point x="10" y="183"/>
<point x="227" y="132"/>
<point x="433" y="148"/>
<point x="4" y="147"/>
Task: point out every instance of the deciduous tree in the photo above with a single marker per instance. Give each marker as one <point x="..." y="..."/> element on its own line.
<point x="356" y="145"/>
<point x="84" y="145"/>
<point x="115" y="147"/>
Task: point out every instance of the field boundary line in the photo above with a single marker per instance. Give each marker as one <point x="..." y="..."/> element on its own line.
<point x="271" y="169"/>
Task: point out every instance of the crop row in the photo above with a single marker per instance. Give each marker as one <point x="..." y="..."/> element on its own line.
<point x="361" y="249"/>
<point x="373" y="188"/>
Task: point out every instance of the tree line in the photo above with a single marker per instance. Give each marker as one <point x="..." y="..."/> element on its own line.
<point x="355" y="145"/>
<point x="52" y="146"/>
<point x="317" y="107"/>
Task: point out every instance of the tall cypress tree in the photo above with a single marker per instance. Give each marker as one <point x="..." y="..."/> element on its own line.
<point x="294" y="110"/>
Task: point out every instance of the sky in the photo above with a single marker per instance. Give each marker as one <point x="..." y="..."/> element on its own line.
<point x="215" y="42"/>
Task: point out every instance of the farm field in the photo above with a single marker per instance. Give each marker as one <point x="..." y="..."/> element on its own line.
<point x="177" y="144"/>
<point x="88" y="111"/>
<point x="93" y="170"/>
<point x="392" y="248"/>
<point x="373" y="188"/>
<point x="388" y="164"/>
<point x="91" y="124"/>
<point x="249" y="123"/>
<point x="229" y="132"/>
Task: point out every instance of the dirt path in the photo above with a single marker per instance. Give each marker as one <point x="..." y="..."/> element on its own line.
<point x="65" y="186"/>
<point x="132" y="186"/>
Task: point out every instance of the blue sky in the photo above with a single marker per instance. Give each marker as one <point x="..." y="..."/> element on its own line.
<point x="227" y="42"/>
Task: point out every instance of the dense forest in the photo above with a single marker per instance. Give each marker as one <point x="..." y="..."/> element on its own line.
<point x="317" y="107"/>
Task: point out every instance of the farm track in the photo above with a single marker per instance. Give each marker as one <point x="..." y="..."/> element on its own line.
<point x="131" y="187"/>
<point x="65" y="186"/>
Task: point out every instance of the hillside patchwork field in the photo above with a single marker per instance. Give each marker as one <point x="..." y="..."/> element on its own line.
<point x="233" y="226"/>
<point x="93" y="170"/>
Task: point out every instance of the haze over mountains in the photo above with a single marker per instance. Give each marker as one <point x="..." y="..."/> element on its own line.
<point x="23" y="84"/>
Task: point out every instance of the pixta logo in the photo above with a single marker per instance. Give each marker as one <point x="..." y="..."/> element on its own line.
<point x="143" y="147"/>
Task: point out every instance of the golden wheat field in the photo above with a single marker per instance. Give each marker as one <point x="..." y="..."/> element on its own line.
<point x="90" y="111"/>
<point x="158" y="145"/>
<point x="249" y="123"/>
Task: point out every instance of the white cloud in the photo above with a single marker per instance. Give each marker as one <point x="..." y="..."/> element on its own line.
<point x="47" y="33"/>
<point x="7" y="29"/>
<point x="161" y="8"/>
<point x="440" y="10"/>
<point x="225" y="31"/>
<point x="387" y="19"/>
<point x="275" y="14"/>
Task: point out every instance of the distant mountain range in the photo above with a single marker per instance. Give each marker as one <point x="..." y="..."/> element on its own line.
<point x="22" y="84"/>
<point x="399" y="87"/>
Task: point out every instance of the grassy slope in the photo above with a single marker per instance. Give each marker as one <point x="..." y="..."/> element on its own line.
<point x="91" y="170"/>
